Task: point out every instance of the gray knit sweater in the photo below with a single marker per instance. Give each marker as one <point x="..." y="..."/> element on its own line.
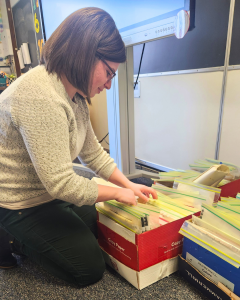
<point x="41" y="132"/>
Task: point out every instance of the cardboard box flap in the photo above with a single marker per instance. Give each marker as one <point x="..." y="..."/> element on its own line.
<point x="119" y="229"/>
<point x="157" y="272"/>
<point x="118" y="246"/>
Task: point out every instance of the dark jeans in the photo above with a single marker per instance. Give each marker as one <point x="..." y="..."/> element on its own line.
<point x="59" y="236"/>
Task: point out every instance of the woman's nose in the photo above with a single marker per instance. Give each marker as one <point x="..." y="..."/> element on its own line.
<point x="108" y="84"/>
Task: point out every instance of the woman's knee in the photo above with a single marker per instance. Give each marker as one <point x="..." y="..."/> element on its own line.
<point x="92" y="273"/>
<point x="97" y="272"/>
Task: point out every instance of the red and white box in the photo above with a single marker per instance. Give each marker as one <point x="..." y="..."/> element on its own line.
<point x="140" y="251"/>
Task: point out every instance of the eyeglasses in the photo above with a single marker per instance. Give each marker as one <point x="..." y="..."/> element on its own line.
<point x="113" y="73"/>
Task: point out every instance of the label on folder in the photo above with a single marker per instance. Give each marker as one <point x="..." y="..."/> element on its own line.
<point x="209" y="273"/>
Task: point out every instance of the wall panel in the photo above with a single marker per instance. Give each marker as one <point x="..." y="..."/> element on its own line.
<point x="230" y="138"/>
<point x="176" y="118"/>
<point x="99" y="117"/>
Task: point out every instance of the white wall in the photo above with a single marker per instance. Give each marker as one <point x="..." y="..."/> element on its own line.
<point x="176" y="118"/>
<point x="230" y="139"/>
<point x="99" y="118"/>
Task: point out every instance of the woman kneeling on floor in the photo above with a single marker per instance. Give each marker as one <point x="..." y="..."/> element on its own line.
<point x="47" y="211"/>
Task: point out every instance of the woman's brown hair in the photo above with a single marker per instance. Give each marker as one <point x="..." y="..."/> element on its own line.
<point x="74" y="47"/>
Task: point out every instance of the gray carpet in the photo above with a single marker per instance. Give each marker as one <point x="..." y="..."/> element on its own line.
<point x="29" y="281"/>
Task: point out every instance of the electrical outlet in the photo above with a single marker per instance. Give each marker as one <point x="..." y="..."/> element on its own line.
<point x="137" y="90"/>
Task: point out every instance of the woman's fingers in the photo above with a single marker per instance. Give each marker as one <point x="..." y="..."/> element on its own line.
<point x="142" y="198"/>
<point x="147" y="190"/>
<point x="154" y="194"/>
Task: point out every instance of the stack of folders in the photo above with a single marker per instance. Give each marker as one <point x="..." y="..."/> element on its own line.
<point x="172" y="175"/>
<point x="189" y="193"/>
<point x="205" y="164"/>
<point x="231" y="201"/>
<point x="212" y="194"/>
<point x="145" y="217"/>
<point x="217" y="230"/>
<point x="197" y="168"/>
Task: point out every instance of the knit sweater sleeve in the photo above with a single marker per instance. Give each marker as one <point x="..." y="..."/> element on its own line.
<point x="95" y="157"/>
<point x="44" y="126"/>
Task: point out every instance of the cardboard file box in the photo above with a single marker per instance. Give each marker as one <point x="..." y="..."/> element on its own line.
<point x="145" y="277"/>
<point x="140" y="251"/>
<point x="211" y="266"/>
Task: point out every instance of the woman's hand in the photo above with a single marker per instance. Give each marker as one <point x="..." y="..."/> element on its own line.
<point x="126" y="196"/>
<point x="123" y="195"/>
<point x="142" y="191"/>
<point x="138" y="190"/>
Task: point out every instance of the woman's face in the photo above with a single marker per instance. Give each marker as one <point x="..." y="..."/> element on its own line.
<point x="101" y="76"/>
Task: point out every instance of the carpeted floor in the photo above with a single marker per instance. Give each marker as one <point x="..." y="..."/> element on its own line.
<point x="28" y="281"/>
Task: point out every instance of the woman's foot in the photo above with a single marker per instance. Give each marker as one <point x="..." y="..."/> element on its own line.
<point x="16" y="248"/>
<point x="7" y="261"/>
